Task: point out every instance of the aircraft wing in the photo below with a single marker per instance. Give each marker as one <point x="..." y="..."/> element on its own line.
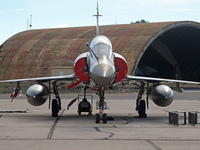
<point x="151" y="79"/>
<point x="44" y="79"/>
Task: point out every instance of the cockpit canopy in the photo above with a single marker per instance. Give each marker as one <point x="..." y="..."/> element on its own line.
<point x="101" y="46"/>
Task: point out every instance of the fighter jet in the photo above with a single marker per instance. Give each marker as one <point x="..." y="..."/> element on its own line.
<point x="99" y="69"/>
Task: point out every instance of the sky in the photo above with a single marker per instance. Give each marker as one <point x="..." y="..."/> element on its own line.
<point x="15" y="14"/>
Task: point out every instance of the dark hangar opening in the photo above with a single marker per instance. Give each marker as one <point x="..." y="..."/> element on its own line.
<point x="175" y="54"/>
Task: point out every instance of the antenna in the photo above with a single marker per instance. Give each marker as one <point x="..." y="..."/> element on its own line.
<point x="97" y="15"/>
<point x="30" y="22"/>
<point x="27" y="24"/>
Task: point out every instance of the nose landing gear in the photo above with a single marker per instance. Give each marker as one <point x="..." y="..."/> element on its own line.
<point x="101" y="117"/>
<point x="100" y="107"/>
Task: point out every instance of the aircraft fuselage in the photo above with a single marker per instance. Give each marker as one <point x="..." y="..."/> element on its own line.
<point x="101" y="66"/>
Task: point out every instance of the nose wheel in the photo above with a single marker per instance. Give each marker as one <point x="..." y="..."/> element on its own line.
<point x="97" y="120"/>
<point x="104" y="118"/>
<point x="100" y="118"/>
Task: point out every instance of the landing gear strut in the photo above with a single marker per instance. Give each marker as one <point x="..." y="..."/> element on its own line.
<point x="140" y="104"/>
<point x="100" y="106"/>
<point x="56" y="103"/>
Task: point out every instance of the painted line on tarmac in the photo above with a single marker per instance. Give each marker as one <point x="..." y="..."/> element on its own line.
<point x="106" y="138"/>
<point x="17" y="111"/>
<point x="153" y="144"/>
<point x="54" y="126"/>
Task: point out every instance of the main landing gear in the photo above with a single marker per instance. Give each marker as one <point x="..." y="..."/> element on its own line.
<point x="56" y="103"/>
<point x="100" y="106"/>
<point x="140" y="103"/>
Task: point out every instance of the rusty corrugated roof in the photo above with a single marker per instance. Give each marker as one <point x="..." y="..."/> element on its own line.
<point x="31" y="53"/>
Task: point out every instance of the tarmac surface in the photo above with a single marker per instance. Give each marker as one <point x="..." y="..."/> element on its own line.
<point x="25" y="127"/>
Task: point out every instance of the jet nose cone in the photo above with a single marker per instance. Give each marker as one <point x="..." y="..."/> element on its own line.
<point x="103" y="74"/>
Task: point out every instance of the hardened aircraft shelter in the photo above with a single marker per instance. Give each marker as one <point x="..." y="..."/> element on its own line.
<point x="167" y="49"/>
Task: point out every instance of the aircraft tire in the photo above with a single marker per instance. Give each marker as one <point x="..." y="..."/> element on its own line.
<point x="142" y="109"/>
<point x="97" y="120"/>
<point x="54" y="108"/>
<point x="104" y="118"/>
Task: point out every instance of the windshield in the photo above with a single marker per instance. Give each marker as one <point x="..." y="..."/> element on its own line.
<point x="102" y="49"/>
<point x="101" y="46"/>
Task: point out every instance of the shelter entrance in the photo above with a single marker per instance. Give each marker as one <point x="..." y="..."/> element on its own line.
<point x="174" y="54"/>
